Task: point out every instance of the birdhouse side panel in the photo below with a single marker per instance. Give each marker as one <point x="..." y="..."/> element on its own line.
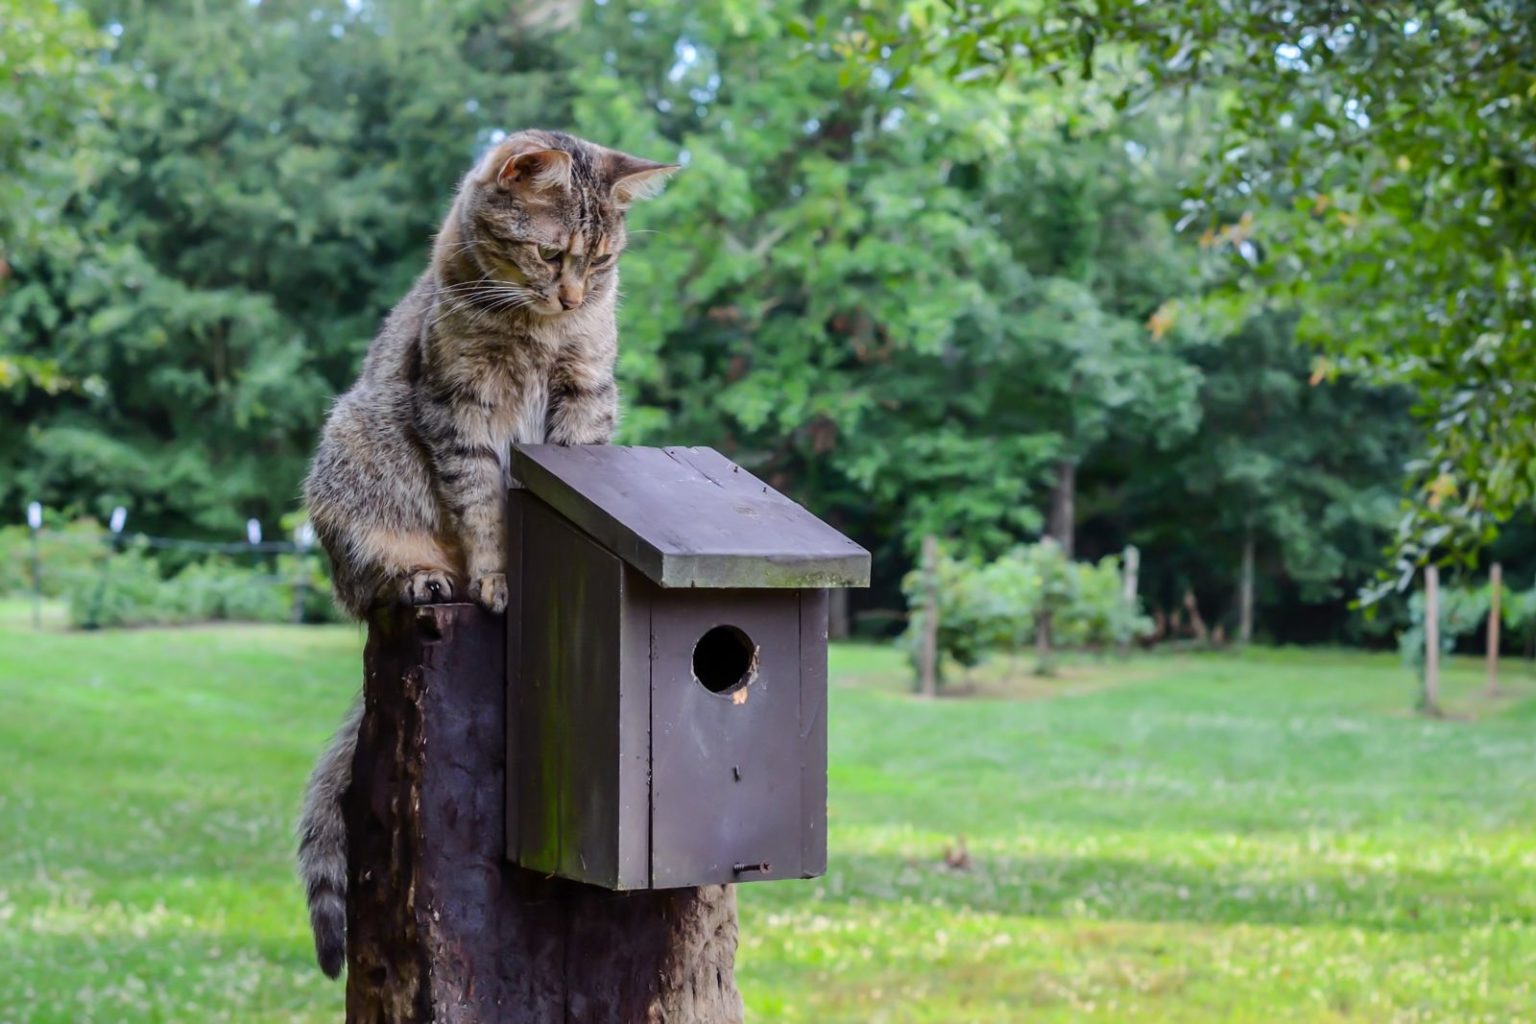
<point x="566" y="702"/>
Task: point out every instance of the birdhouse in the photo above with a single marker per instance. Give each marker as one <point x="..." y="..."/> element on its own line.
<point x="666" y="669"/>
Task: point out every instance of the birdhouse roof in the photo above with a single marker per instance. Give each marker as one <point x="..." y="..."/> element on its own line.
<point x="689" y="517"/>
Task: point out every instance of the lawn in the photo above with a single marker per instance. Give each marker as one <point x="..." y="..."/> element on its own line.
<point x="1260" y="837"/>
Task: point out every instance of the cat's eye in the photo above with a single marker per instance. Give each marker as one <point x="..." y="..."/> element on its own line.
<point x="550" y="253"/>
<point x="603" y="261"/>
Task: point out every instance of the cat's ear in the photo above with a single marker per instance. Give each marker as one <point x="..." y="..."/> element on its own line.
<point x="537" y="170"/>
<point x="634" y="179"/>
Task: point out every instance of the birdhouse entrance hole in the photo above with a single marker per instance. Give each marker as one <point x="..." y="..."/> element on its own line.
<point x="724" y="659"/>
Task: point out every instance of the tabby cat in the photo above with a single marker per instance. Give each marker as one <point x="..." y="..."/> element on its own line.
<point x="509" y="337"/>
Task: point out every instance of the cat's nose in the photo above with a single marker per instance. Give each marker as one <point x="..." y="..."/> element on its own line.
<point x="566" y="303"/>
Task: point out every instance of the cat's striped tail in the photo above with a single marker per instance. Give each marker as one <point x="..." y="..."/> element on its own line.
<point x="323" y="845"/>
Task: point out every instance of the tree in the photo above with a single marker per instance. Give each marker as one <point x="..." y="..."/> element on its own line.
<point x="893" y="343"/>
<point x="56" y="92"/>
<point x="916" y="305"/>
<point x="1388" y="144"/>
<point x="250" y="212"/>
<point x="1291" y="476"/>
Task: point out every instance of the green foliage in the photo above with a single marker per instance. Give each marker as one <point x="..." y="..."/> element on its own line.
<point x="1307" y="469"/>
<point x="1098" y="617"/>
<point x="129" y="588"/>
<point x="125" y="590"/>
<point x="1517" y="610"/>
<point x="65" y="551"/>
<point x="966" y="621"/>
<point x="996" y="606"/>
<point x="254" y="209"/>
<point x="307" y="574"/>
<point x="1386" y="145"/>
<point x="891" y="340"/>
<point x="56" y="92"/>
<point x="844" y="293"/>
<point x="902" y="299"/>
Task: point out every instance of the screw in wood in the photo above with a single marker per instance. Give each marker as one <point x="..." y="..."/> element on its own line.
<point x="741" y="869"/>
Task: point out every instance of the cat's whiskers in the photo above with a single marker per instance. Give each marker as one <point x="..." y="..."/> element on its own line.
<point x="480" y="300"/>
<point x="449" y="306"/>
<point x="464" y="246"/>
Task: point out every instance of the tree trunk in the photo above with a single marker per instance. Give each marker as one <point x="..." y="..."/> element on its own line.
<point x="1044" y="665"/>
<point x="1196" y="622"/>
<point x="837" y="614"/>
<point x="1062" y="519"/>
<point x="1429" y="702"/>
<point x="1245" y="593"/>
<point x="441" y="928"/>
<point x="1495" y="588"/>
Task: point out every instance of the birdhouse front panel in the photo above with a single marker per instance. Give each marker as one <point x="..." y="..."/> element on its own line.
<point x="736" y="726"/>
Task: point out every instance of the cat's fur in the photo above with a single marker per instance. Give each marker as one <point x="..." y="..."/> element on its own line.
<point x="509" y="337"/>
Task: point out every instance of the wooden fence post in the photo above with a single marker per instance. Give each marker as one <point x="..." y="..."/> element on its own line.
<point x="928" y="655"/>
<point x="1130" y="573"/>
<point x="1495" y="586"/>
<point x="441" y="928"/>
<point x="1431" y="697"/>
<point x="34" y="527"/>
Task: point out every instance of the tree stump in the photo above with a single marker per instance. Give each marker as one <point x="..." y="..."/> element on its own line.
<point x="441" y="928"/>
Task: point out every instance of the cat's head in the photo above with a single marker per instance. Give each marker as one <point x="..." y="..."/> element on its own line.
<point x="542" y="218"/>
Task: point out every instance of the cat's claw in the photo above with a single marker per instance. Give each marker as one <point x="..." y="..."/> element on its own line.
<point x="490" y="591"/>
<point x="426" y="587"/>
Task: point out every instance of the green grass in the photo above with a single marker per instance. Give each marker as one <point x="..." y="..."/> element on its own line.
<point x="1259" y="837"/>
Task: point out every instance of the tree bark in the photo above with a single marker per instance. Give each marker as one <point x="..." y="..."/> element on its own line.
<point x="1245" y="593"/>
<point x="1196" y="622"/>
<point x="837" y="614"/>
<point x="441" y="928"/>
<point x="1062" y="520"/>
<point x="1044" y="664"/>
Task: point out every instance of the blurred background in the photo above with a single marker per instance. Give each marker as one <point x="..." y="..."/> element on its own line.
<point x="1155" y="354"/>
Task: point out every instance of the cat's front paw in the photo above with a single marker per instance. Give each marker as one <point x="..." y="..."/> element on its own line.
<point x="490" y="591"/>
<point x="426" y="586"/>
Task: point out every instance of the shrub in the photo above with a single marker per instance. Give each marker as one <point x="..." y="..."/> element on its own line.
<point x="963" y="613"/>
<point x="216" y="590"/>
<point x="318" y="605"/>
<point x="66" y="551"/>
<point x="1100" y="617"/>
<point x="128" y="588"/>
<point x="1518" y="608"/>
<point x="123" y="589"/>
<point x="998" y="606"/>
